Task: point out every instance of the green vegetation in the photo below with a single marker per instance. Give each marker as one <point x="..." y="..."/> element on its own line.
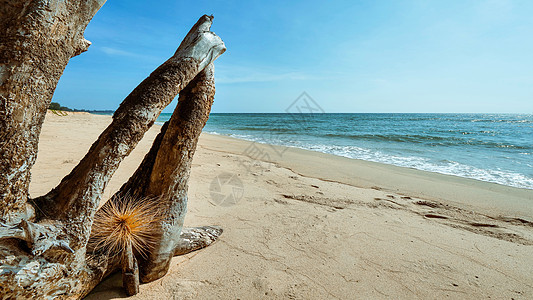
<point x="57" y="106"/>
<point x="57" y="109"/>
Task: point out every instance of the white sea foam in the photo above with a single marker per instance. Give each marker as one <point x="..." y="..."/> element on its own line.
<point x="444" y="166"/>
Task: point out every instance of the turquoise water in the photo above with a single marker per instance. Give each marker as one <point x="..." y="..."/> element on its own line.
<point x="490" y="147"/>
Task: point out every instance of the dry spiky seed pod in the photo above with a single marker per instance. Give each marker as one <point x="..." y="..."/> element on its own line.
<point x="125" y="221"/>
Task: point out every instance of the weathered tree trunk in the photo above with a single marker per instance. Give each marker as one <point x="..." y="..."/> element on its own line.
<point x="37" y="40"/>
<point x="43" y="245"/>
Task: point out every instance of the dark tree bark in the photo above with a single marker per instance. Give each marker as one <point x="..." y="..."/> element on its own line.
<point x="43" y="245"/>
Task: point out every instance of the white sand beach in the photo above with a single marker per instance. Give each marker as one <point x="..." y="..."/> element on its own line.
<point x="308" y="225"/>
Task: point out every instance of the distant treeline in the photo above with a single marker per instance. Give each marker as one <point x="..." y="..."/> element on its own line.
<point x="57" y="106"/>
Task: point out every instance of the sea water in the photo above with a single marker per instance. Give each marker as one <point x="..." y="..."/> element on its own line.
<point x="490" y="147"/>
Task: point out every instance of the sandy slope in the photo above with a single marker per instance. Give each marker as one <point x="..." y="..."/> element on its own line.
<point x="316" y="226"/>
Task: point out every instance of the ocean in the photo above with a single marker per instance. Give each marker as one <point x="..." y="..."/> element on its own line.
<point x="490" y="147"/>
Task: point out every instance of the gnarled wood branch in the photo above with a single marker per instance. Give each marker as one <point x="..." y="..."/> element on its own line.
<point x="75" y="199"/>
<point x="165" y="171"/>
<point x="195" y="238"/>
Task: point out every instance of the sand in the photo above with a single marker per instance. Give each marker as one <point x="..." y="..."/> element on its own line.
<point x="307" y="225"/>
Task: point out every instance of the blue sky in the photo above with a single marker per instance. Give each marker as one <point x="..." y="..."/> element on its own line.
<point x="350" y="56"/>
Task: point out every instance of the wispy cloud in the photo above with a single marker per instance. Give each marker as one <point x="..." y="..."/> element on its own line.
<point x="117" y="52"/>
<point x="127" y="54"/>
<point x="230" y="74"/>
<point x="261" y="77"/>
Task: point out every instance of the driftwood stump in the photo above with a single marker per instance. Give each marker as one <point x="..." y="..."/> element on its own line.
<point x="43" y="241"/>
<point x="130" y="272"/>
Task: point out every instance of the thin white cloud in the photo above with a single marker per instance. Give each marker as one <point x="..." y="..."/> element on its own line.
<point x="127" y="54"/>
<point x="261" y="77"/>
<point x="246" y="74"/>
<point x="117" y="52"/>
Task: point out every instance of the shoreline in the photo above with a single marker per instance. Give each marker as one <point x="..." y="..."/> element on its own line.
<point x="409" y="181"/>
<point x="371" y="161"/>
<point x="497" y="199"/>
<point x="466" y="176"/>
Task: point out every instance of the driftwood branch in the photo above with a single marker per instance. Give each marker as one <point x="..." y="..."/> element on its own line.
<point x="165" y="172"/>
<point x="130" y="272"/>
<point x="196" y="238"/>
<point x="75" y="199"/>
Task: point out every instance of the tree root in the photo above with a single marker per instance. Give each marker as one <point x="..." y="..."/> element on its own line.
<point x="195" y="238"/>
<point x="24" y="275"/>
<point x="39" y="237"/>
